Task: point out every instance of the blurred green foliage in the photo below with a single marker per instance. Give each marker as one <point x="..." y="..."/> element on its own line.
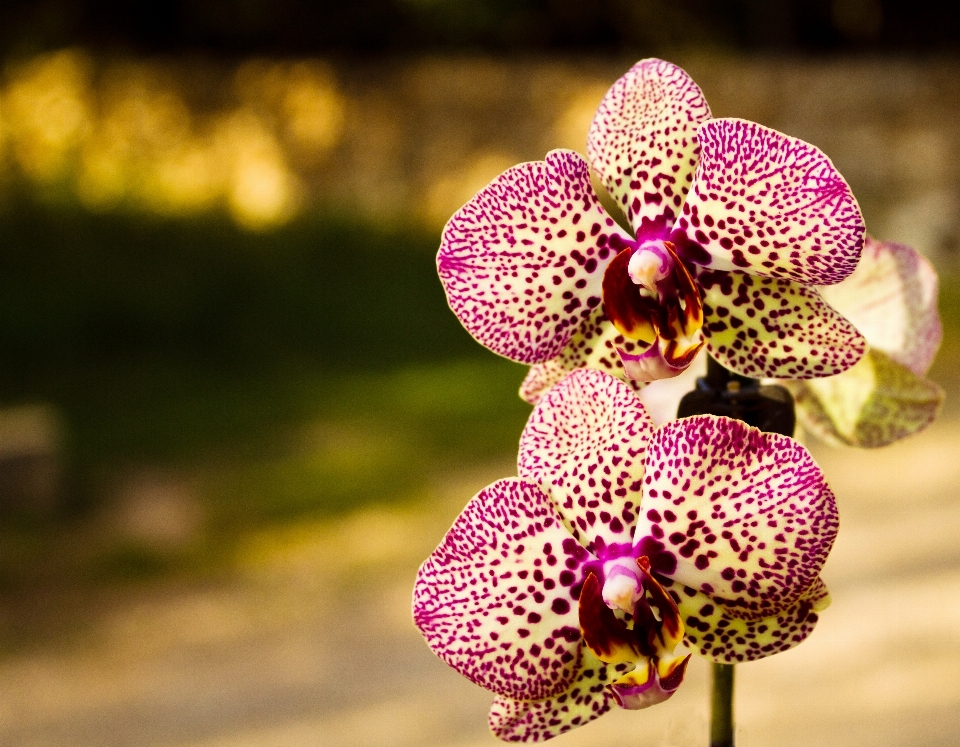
<point x="300" y="372"/>
<point x="157" y="338"/>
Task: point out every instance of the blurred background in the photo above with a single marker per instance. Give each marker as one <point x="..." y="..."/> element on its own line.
<point x="235" y="412"/>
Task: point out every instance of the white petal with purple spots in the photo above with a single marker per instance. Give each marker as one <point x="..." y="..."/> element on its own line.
<point x="715" y="634"/>
<point x="768" y="204"/>
<point x="522" y="263"/>
<point x="585" y="443"/>
<point x="490" y="601"/>
<point x="642" y="142"/>
<point x="587" y="698"/>
<point x="738" y="514"/>
<point x="594" y="345"/>
<point x="764" y="327"/>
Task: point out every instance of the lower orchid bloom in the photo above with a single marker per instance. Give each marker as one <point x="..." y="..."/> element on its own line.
<point x="568" y="590"/>
<point x="732" y="227"/>
<point x="892" y="300"/>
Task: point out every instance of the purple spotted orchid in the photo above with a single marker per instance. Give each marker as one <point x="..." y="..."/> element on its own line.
<point x="734" y="225"/>
<point x="892" y="300"/>
<point x="568" y="589"/>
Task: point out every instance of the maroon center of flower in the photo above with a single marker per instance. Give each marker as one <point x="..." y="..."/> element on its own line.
<point x="648" y="295"/>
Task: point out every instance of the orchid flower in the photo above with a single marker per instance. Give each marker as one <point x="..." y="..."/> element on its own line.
<point x="569" y="588"/>
<point x="734" y="226"/>
<point x="892" y="300"/>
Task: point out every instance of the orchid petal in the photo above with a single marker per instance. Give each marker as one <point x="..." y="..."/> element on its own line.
<point x="585" y="443"/>
<point x="542" y="377"/>
<point x="768" y="204"/>
<point x="738" y="514"/>
<point x="875" y="403"/>
<point x="587" y="698"/>
<point x="490" y="600"/>
<point x="892" y="299"/>
<point x="642" y="143"/>
<point x="522" y="262"/>
<point x="763" y="327"/>
<point x="720" y="637"/>
<point x="596" y="344"/>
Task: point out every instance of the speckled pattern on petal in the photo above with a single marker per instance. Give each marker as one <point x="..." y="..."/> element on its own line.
<point x="522" y="263"/>
<point x="741" y="515"/>
<point x="642" y="143"/>
<point x="763" y="327"/>
<point x="594" y="345"/>
<point x="585" y="443"/>
<point x="490" y="600"/>
<point x="892" y="299"/>
<point x="769" y="204"/>
<point x="541" y="378"/>
<point x="720" y="637"/>
<point x="535" y="721"/>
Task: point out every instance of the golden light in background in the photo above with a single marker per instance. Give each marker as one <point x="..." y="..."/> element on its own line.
<point x="121" y="134"/>
<point x="313" y="108"/>
<point x="261" y="190"/>
<point x="570" y="128"/>
<point x="48" y="111"/>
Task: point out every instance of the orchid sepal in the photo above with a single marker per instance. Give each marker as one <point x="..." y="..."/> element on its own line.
<point x="876" y="403"/>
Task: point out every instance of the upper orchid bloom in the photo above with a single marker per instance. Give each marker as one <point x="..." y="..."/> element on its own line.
<point x="733" y="227"/>
<point x="892" y="300"/>
<point x="568" y="589"/>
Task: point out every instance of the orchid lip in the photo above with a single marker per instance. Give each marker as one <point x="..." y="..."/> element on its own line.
<point x="651" y="298"/>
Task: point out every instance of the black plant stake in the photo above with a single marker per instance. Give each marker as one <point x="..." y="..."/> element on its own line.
<point x="769" y="408"/>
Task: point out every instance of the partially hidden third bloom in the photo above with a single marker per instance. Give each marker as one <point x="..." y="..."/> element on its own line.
<point x="892" y="300"/>
<point x="569" y="589"/>
<point x="733" y="226"/>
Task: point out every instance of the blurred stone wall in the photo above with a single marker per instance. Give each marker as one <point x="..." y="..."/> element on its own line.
<point x="411" y="140"/>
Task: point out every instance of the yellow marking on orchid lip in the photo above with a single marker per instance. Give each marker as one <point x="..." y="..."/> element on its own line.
<point x="691" y="305"/>
<point x="680" y="353"/>
<point x="642" y="331"/>
<point x="672" y="674"/>
<point x="623" y="304"/>
<point x="669" y="665"/>
<point x="639" y="676"/>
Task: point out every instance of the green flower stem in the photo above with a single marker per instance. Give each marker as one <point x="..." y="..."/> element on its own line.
<point x="721" y="706"/>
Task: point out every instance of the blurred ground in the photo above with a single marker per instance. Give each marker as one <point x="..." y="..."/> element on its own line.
<point x="235" y="413"/>
<point x="308" y="639"/>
